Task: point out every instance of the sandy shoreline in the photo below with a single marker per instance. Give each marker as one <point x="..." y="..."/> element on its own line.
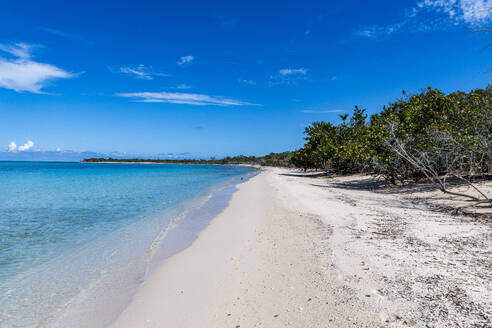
<point x="301" y="251"/>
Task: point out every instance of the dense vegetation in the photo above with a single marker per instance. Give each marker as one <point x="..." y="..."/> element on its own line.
<point x="427" y="135"/>
<point x="280" y="159"/>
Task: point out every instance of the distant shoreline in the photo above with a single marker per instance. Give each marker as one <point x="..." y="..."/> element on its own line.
<point x="167" y="163"/>
<point x="272" y="159"/>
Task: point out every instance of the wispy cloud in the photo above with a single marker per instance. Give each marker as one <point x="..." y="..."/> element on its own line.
<point x="376" y="32"/>
<point x="19" y="50"/>
<point x="293" y="71"/>
<point x="22" y="74"/>
<point x="13" y="146"/>
<point x="248" y="82"/>
<point x="186" y="60"/>
<point x="226" y="22"/>
<point x="66" y="35"/>
<point x="289" y="76"/>
<point x="140" y="72"/>
<point x="467" y="11"/>
<point x="432" y="15"/>
<point x="309" y="111"/>
<point x="308" y="29"/>
<point x="183" y="98"/>
<point x="182" y="86"/>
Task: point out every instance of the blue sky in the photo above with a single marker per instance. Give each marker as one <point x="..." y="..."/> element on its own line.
<point x="220" y="77"/>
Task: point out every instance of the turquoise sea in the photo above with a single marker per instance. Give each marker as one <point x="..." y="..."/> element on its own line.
<point x="77" y="239"/>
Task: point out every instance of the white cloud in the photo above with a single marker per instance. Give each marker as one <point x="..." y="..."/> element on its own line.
<point x="293" y="71"/>
<point x="183" y="98"/>
<point x="468" y="11"/>
<point x="20" y="50"/>
<point x="28" y="145"/>
<point x="288" y="76"/>
<point x="476" y="12"/>
<point x="322" y="111"/>
<point x="377" y="31"/>
<point x="185" y="59"/>
<point x="367" y="32"/>
<point x="429" y="15"/>
<point x="140" y="72"/>
<point x="21" y="73"/>
<point x="12" y="146"/>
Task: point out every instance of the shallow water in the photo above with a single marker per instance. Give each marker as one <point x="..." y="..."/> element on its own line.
<point x="73" y="234"/>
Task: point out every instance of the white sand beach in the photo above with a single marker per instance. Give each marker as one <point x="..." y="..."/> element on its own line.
<point x="295" y="250"/>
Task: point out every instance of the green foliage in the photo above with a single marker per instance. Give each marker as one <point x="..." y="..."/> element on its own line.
<point x="431" y="125"/>
<point x="275" y="159"/>
<point x="342" y="148"/>
<point x="272" y="159"/>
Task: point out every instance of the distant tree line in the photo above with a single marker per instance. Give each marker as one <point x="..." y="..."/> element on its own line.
<point x="273" y="159"/>
<point x="426" y="135"/>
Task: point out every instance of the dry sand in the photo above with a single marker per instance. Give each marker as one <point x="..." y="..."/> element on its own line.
<point x="305" y="251"/>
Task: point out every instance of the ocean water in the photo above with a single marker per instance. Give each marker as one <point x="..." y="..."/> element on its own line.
<point x="77" y="239"/>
